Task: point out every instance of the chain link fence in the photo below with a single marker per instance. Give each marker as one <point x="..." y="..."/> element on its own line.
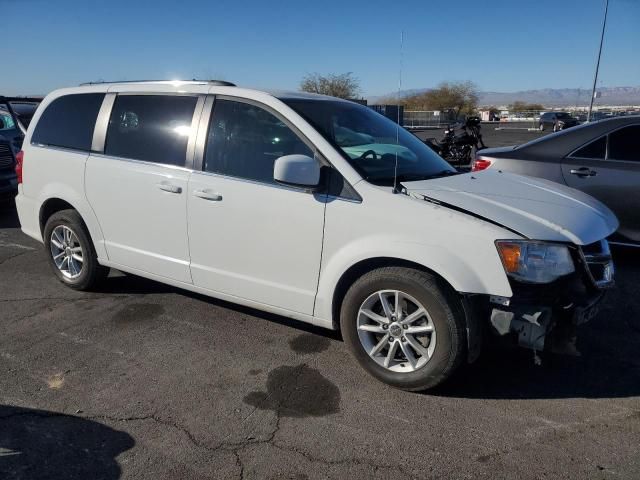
<point x="524" y="120"/>
<point x="428" y="118"/>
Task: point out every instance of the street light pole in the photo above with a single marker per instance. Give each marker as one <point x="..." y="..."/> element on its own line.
<point x="595" y="77"/>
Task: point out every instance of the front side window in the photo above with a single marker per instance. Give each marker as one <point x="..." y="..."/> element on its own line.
<point x="69" y="121"/>
<point x="153" y="128"/>
<point x="372" y="143"/>
<point x="245" y="140"/>
<point x="624" y="144"/>
<point x="596" y="149"/>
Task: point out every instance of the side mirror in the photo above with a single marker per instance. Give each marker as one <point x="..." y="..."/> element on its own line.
<point x="297" y="170"/>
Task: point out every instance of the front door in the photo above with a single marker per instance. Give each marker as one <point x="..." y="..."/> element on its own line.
<point x="138" y="187"/>
<point x="250" y="237"/>
<point x="609" y="169"/>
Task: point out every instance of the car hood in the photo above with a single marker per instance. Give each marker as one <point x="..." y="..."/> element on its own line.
<point x="532" y="207"/>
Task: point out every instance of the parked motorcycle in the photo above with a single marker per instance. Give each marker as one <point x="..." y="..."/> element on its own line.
<point x="459" y="149"/>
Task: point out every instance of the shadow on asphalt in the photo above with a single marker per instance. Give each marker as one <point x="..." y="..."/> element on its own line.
<point x="131" y="284"/>
<point x="38" y="444"/>
<point x="8" y="215"/>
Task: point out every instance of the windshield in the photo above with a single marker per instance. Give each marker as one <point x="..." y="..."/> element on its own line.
<point x="563" y="115"/>
<point x="371" y="142"/>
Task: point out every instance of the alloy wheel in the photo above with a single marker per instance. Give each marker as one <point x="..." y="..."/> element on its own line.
<point x="396" y="331"/>
<point x="66" y="252"/>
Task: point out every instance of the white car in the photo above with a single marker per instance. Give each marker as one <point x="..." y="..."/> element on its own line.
<point x="251" y="197"/>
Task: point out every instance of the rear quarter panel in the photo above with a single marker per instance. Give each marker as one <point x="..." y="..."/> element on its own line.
<point x="50" y="172"/>
<point x="549" y="169"/>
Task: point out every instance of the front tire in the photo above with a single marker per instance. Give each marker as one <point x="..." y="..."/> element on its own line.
<point x="541" y="127"/>
<point x="70" y="251"/>
<point x="404" y="327"/>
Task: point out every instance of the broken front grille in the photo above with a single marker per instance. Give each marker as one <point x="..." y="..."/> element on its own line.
<point x="599" y="265"/>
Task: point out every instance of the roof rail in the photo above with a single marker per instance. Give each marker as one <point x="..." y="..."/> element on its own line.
<point x="221" y="83"/>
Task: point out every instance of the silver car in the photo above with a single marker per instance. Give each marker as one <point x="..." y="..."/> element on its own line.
<point x="600" y="158"/>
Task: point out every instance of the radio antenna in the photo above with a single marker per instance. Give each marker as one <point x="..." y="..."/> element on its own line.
<point x="395" y="168"/>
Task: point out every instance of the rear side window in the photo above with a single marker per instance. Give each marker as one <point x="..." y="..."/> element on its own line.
<point x="596" y="149"/>
<point x="245" y="141"/>
<point x="153" y="128"/>
<point x="69" y="121"/>
<point x="624" y="144"/>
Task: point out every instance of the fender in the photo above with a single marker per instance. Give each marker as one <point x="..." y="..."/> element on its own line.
<point x="485" y="276"/>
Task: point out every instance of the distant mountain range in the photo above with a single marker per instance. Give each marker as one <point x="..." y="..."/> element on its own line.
<point x="549" y="97"/>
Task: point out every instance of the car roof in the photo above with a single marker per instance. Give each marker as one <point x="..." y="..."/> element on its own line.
<point x="568" y="140"/>
<point x="189" y="86"/>
<point x="288" y="95"/>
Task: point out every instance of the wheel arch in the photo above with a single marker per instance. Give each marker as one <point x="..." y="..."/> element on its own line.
<point x="51" y="206"/>
<point x="364" y="266"/>
<point x="54" y="204"/>
<point x="464" y="303"/>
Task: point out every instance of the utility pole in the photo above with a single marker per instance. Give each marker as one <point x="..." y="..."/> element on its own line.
<point x="595" y="77"/>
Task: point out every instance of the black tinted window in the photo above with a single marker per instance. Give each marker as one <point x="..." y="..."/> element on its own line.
<point x="245" y="140"/>
<point x="595" y="149"/>
<point x="69" y="121"/>
<point x="154" y="128"/>
<point x="624" y="144"/>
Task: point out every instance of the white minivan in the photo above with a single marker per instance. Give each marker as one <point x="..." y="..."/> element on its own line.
<point x="315" y="208"/>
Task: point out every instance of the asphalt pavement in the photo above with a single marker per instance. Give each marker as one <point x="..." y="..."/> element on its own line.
<point x="143" y="381"/>
<point x="495" y="134"/>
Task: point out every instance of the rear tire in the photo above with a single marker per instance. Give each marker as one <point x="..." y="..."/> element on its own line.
<point x="541" y="127"/>
<point x="70" y="251"/>
<point x="418" y="361"/>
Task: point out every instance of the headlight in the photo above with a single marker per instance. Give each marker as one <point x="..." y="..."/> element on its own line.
<point x="534" y="262"/>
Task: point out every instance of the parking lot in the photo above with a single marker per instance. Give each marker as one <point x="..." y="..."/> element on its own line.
<point x="511" y="133"/>
<point x="141" y="380"/>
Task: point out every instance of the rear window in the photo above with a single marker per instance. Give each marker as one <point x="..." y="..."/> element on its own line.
<point x="596" y="149"/>
<point x="69" y="121"/>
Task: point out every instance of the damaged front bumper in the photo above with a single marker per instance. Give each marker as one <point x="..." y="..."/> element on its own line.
<point x="545" y="317"/>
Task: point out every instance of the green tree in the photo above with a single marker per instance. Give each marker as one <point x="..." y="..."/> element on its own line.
<point x="342" y="85"/>
<point x="460" y="97"/>
<point x="519" y="106"/>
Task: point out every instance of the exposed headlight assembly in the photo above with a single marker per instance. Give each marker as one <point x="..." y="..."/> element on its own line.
<point x="535" y="262"/>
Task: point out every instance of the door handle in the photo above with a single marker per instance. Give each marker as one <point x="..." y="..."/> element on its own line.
<point x="207" y="195"/>
<point x="167" y="187"/>
<point x="583" y="172"/>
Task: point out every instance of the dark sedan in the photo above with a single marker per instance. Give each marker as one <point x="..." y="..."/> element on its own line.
<point x="556" y="121"/>
<point x="601" y="158"/>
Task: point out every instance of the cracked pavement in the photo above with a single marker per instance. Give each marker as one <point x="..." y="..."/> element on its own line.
<point x="141" y="380"/>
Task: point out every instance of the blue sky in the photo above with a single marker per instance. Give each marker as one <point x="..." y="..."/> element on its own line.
<point x="501" y="45"/>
